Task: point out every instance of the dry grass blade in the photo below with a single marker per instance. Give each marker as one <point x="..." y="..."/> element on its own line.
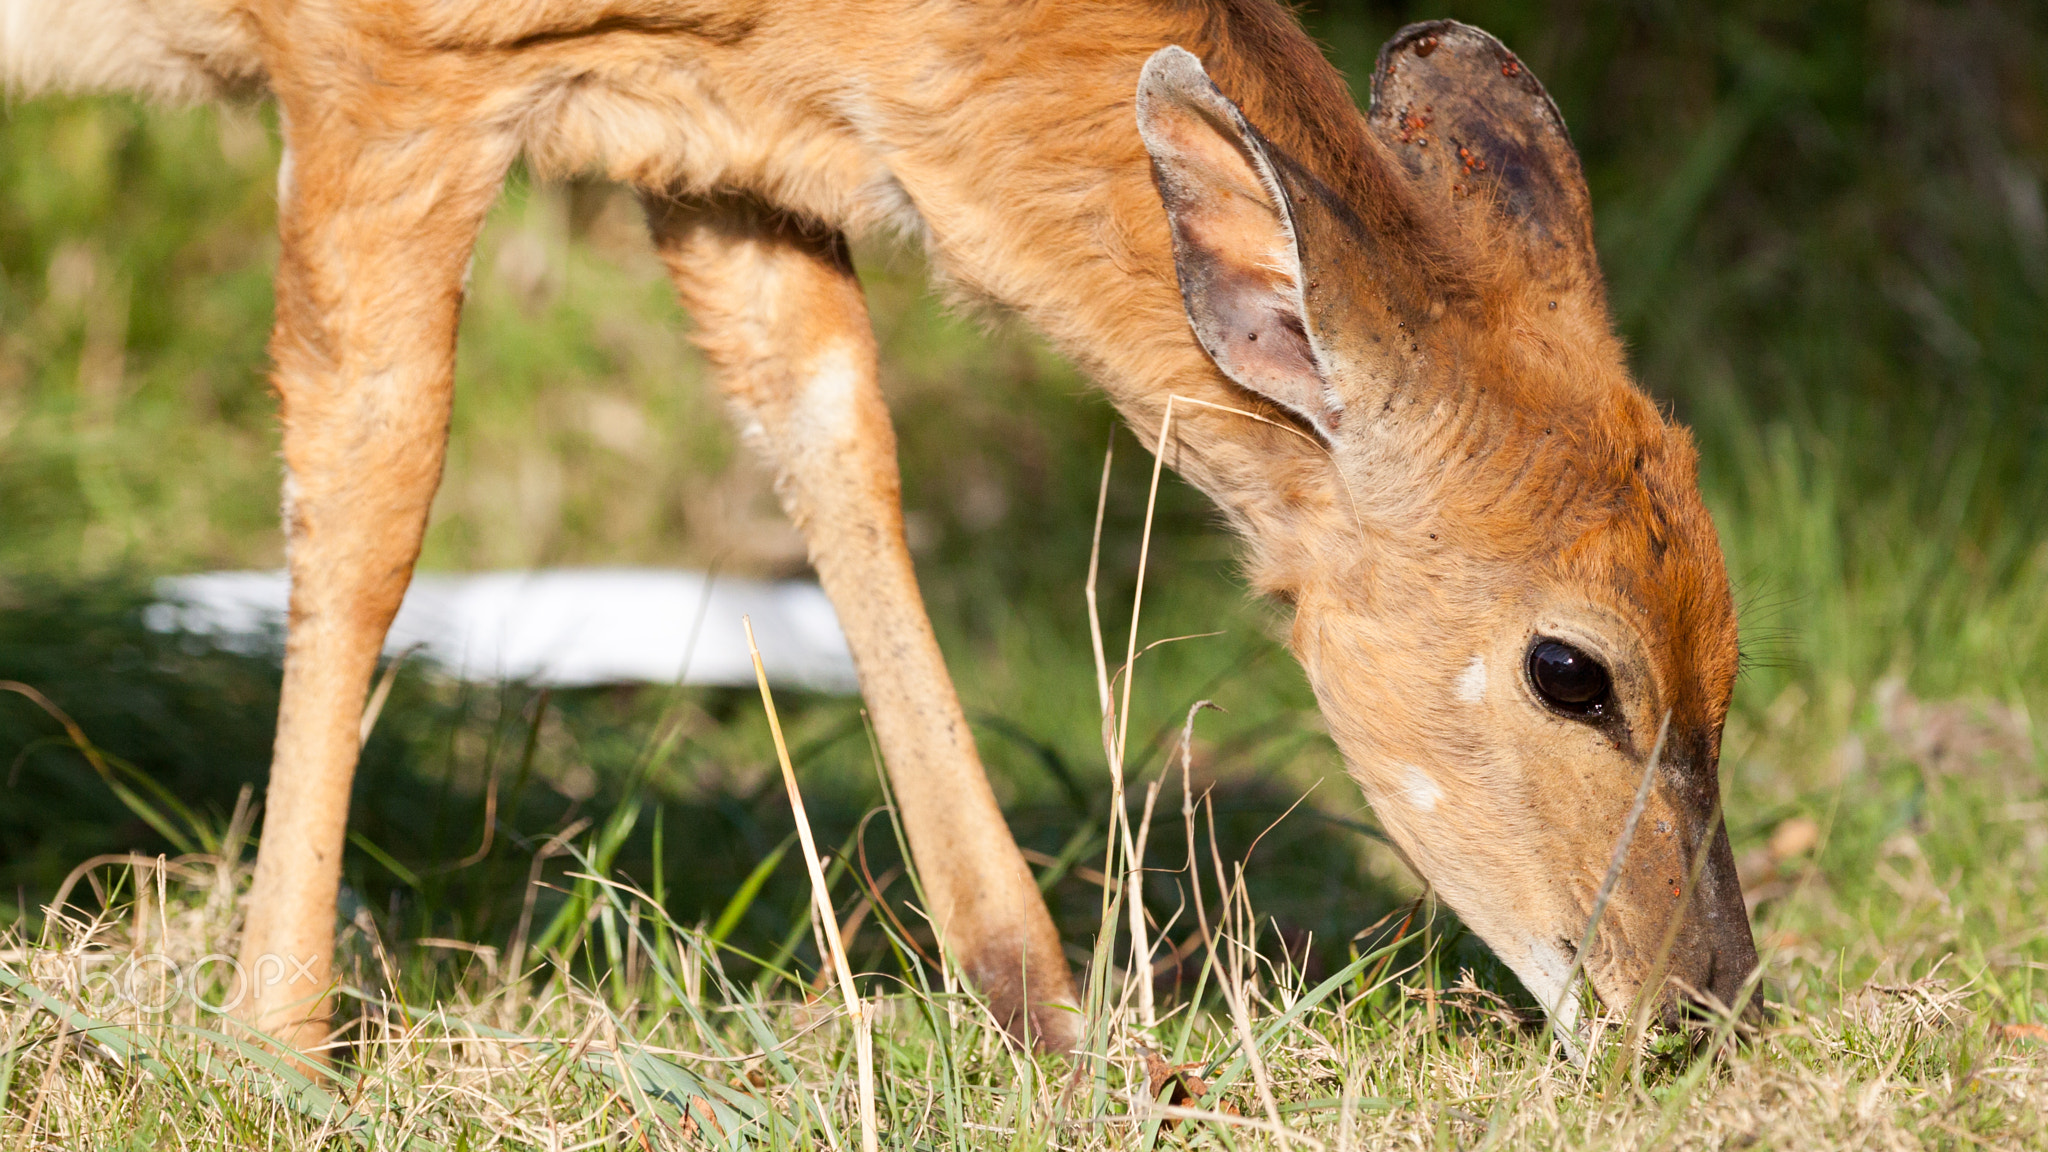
<point x="1232" y="976"/>
<point x="1141" y="948"/>
<point x="1229" y="974"/>
<point x="1094" y="568"/>
<point x="1138" y="599"/>
<point x="821" y="895"/>
<point x="1132" y="875"/>
<point x="381" y="693"/>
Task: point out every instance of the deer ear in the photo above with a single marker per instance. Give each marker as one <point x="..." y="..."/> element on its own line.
<point x="1473" y="129"/>
<point x="1235" y="247"/>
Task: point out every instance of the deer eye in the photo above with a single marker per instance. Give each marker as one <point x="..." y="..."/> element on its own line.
<point x="1568" y="679"/>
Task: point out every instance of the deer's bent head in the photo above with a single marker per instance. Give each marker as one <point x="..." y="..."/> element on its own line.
<point x="1510" y="601"/>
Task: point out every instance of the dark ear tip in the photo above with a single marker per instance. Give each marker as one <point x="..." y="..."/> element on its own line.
<point x="1457" y="33"/>
<point x="1424" y="28"/>
<point x="1423" y="40"/>
<point x="1440" y="54"/>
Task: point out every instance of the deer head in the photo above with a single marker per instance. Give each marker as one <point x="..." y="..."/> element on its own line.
<point x="1522" y="613"/>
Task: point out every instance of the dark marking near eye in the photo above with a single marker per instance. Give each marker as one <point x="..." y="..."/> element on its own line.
<point x="1660" y="532"/>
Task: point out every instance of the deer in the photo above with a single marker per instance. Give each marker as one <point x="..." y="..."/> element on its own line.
<point x="1382" y="334"/>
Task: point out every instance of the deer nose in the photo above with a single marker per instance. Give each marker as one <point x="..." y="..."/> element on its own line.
<point x="1721" y="983"/>
<point x="1721" y="990"/>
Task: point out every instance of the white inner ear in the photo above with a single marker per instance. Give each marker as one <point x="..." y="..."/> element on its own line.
<point x="1249" y="281"/>
<point x="1286" y="260"/>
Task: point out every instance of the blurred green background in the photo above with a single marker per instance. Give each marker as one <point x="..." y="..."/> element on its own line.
<point x="1823" y="227"/>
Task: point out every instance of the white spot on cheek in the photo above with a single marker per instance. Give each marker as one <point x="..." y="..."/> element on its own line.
<point x="1472" y="681"/>
<point x="1423" y="793"/>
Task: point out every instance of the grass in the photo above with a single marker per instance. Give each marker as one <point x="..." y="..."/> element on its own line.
<point x="1907" y="979"/>
<point x="1823" y="233"/>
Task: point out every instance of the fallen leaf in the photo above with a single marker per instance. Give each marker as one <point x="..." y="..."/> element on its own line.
<point x="698" y="1106"/>
<point x="1182" y="1088"/>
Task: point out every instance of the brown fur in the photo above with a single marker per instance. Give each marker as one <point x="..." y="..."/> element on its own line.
<point x="1483" y="470"/>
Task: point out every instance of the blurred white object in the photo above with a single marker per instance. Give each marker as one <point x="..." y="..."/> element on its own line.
<point x="567" y="627"/>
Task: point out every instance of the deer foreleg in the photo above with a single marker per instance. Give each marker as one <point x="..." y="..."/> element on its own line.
<point x="376" y="233"/>
<point x="782" y="317"/>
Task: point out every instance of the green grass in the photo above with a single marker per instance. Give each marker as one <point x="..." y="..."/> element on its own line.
<point x="1824" y="237"/>
<point x="1906" y="979"/>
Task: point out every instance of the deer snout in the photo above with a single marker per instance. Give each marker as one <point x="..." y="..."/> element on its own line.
<point x="1729" y="949"/>
<point x="1714" y="954"/>
<point x="1675" y="943"/>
